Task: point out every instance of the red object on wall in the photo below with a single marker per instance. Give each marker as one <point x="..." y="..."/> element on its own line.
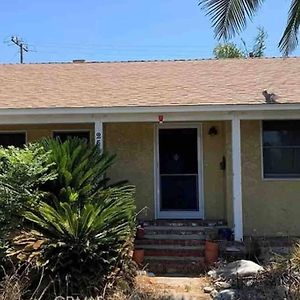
<point x="161" y="118"/>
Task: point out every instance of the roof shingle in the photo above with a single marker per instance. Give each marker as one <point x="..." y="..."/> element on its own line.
<point x="156" y="83"/>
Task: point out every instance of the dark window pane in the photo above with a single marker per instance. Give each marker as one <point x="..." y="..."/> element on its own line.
<point x="64" y="135"/>
<point x="178" y="151"/>
<point x="281" y="133"/>
<point x="281" y="162"/>
<point x="17" y="139"/>
<point x="281" y="149"/>
<point x="179" y="192"/>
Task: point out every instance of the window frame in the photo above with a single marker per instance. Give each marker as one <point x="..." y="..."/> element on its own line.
<point x="15" y="131"/>
<point x="73" y="130"/>
<point x="279" y="178"/>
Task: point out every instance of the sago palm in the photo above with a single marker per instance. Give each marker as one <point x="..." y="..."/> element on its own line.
<point x="230" y="17"/>
<point x="85" y="233"/>
<point x="80" y="167"/>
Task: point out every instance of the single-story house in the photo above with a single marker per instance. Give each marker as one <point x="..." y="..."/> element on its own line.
<point x="200" y="139"/>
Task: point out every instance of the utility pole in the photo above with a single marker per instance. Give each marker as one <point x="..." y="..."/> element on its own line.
<point x="20" y="43"/>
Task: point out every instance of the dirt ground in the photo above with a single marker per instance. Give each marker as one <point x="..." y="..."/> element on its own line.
<point x="175" y="288"/>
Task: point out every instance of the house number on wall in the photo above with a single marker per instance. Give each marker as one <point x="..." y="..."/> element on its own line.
<point x="99" y="134"/>
<point x="98" y="138"/>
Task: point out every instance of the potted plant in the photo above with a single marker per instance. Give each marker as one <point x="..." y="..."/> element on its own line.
<point x="138" y="255"/>
<point x="140" y="232"/>
<point x="211" y="250"/>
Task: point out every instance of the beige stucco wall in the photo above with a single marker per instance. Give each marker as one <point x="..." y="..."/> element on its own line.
<point x="271" y="207"/>
<point x="214" y="177"/>
<point x="134" y="145"/>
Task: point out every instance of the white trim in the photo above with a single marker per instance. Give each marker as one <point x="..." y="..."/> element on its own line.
<point x="179" y="214"/>
<point x="192" y="116"/>
<point x="99" y="134"/>
<point x="151" y="109"/>
<point x="156" y="173"/>
<point x="237" y="179"/>
<point x="201" y="171"/>
<point x="156" y="191"/>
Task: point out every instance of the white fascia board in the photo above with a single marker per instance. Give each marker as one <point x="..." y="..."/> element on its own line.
<point x="146" y="117"/>
<point x="148" y="109"/>
<point x="107" y="118"/>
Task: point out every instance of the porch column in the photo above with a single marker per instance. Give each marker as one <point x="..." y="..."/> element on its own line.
<point x="237" y="179"/>
<point x="99" y="134"/>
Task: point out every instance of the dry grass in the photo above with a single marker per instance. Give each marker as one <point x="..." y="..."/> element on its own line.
<point x="166" y="288"/>
<point x="14" y="286"/>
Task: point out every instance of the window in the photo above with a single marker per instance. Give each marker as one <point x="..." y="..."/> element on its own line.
<point x="17" y="139"/>
<point x="64" y="135"/>
<point x="281" y="149"/>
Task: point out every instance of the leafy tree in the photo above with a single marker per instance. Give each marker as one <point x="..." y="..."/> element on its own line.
<point x="259" y="46"/>
<point x="82" y="233"/>
<point x="230" y="17"/>
<point x="228" y="50"/>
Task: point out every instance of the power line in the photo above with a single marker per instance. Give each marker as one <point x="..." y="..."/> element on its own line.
<point x="22" y="46"/>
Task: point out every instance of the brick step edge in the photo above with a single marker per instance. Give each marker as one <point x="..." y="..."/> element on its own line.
<point x="169" y="242"/>
<point x="178" y="259"/>
<point x="173" y="253"/>
<point x="200" y="233"/>
<point x="183" y="228"/>
<point x="174" y="236"/>
<point x="172" y="247"/>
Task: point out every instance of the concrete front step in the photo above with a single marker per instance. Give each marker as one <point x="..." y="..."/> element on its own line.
<point x="176" y="246"/>
<point x="175" y="265"/>
<point x="184" y="230"/>
<point x="182" y="223"/>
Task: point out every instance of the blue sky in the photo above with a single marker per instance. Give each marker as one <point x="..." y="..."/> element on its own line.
<point x="62" y="30"/>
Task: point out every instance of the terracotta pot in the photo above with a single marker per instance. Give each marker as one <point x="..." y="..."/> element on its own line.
<point x="211" y="252"/>
<point x="138" y="256"/>
<point x="140" y="232"/>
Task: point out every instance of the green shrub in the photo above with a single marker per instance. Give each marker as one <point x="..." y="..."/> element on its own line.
<point x="83" y="230"/>
<point x="22" y="171"/>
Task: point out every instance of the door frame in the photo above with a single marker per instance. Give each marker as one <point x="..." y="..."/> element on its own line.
<point x="178" y="214"/>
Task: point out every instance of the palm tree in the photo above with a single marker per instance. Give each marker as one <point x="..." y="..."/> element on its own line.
<point x="229" y="17"/>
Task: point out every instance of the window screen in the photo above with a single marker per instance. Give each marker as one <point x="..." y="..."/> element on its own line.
<point x="281" y="149"/>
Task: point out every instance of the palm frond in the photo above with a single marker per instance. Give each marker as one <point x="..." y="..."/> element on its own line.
<point x="229" y="17"/>
<point x="83" y="229"/>
<point x="289" y="40"/>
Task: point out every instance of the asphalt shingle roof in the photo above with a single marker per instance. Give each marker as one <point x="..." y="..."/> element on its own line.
<point x="156" y="83"/>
